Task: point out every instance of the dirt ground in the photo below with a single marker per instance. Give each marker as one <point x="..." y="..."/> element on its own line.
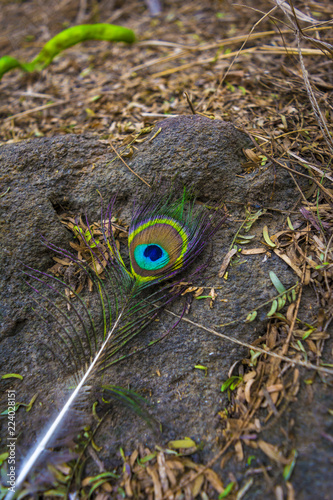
<point x="269" y="434"/>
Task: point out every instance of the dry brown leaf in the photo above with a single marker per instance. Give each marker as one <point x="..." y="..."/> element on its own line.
<point x="253" y="251"/>
<point x="273" y="452"/>
<point x="63" y="262"/>
<point x="79" y="248"/>
<point x="288" y="261"/>
<point x="225" y="262"/>
<point x="290" y="311"/>
<point x="252" y="155"/>
<point x="191" y="465"/>
<point x="213" y="296"/>
<point x="102" y="496"/>
<point x="239" y="451"/>
<point x="86" y="480"/>
<point x="176" y="464"/>
<point x="197" y="485"/>
<point x="190" y="289"/>
<point x="311" y="345"/>
<point x="291" y="491"/>
<point x="249" y="375"/>
<point x="127" y="484"/>
<point x="315" y="335"/>
<point x="199" y="291"/>
<point x="247" y="390"/>
<point x="274" y="388"/>
<point x="171" y="476"/>
<point x="162" y="471"/>
<point x="214" y="480"/>
<point x="307" y="276"/>
<point x="156" y="482"/>
<point x="272" y="336"/>
<point x="133" y="458"/>
<point x="79" y="288"/>
<point x="107" y="487"/>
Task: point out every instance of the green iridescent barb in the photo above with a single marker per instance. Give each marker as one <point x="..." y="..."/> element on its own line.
<point x="66" y="39"/>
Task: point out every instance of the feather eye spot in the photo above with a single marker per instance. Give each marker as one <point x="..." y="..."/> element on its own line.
<point x="151" y="257"/>
<point x="156" y="246"/>
<point x="153" y="252"/>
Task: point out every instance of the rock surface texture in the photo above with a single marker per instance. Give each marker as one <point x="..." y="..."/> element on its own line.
<point x="49" y="176"/>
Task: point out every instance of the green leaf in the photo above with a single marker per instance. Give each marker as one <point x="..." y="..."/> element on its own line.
<point x="231" y="383"/>
<point x="276" y="282"/>
<point x="97" y="485"/>
<point x="15" y="409"/>
<point x="3" y="457"/>
<point x="229" y="86"/>
<point x="201" y="367"/>
<point x="59" y="492"/>
<point x="273" y="308"/>
<point x="280" y="316"/>
<point x="246" y="237"/>
<point x="254" y="356"/>
<point x="263" y="160"/>
<point x="251" y="218"/>
<point x="288" y="469"/>
<point x="267" y="239"/>
<point x="147" y="458"/>
<point x="282" y="301"/>
<point x="12" y="375"/>
<point x="291" y="227"/>
<point x="182" y="443"/>
<point x="33" y="399"/>
<point x="226" y="491"/>
<point x="308" y="333"/>
<point x="251" y="316"/>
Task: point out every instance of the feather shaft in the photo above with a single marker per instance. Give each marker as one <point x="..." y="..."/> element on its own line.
<point x="57" y="422"/>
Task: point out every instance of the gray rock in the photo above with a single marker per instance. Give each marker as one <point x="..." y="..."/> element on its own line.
<point x="49" y="176"/>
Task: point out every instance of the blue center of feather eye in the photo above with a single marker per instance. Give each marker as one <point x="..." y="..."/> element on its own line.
<point x="151" y="257"/>
<point x="153" y="252"/>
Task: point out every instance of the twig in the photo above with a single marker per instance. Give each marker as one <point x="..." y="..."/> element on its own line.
<point x="309" y="366"/>
<point x="129" y="168"/>
<point x="313" y="101"/>
<point x="276" y="162"/>
<point x="310" y="165"/>
<point x="34" y="110"/>
<point x="317" y="111"/>
<point x="293" y="321"/>
<point x="3" y="194"/>
<point x="189" y="102"/>
<point x="259" y="50"/>
<point x="242" y="46"/>
<point x="158" y="115"/>
<point x="325" y="260"/>
<point x="195" y="48"/>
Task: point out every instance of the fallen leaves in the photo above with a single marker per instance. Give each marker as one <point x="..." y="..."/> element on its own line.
<point x="166" y="474"/>
<point x="87" y="239"/>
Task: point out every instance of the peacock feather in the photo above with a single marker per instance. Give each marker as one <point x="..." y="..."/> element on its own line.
<point x="166" y="236"/>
